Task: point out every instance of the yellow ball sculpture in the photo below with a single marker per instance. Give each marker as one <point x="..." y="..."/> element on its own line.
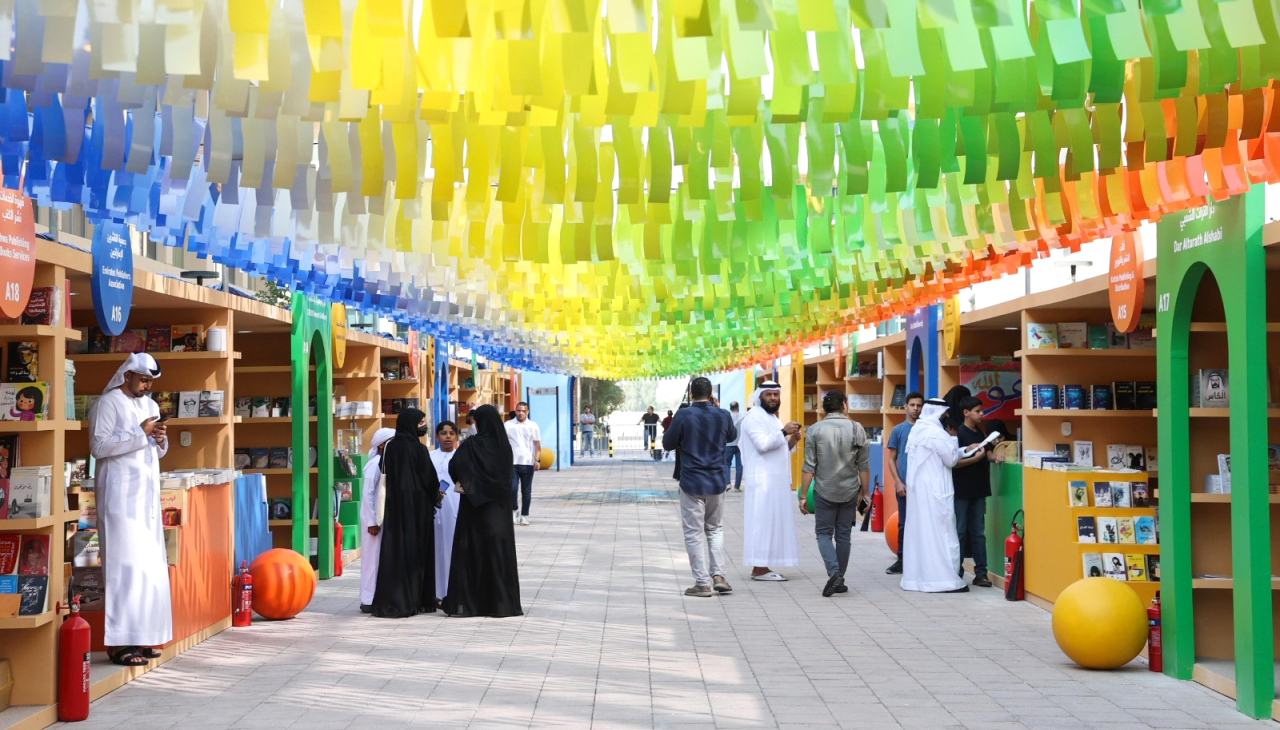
<point x="1100" y="623"/>
<point x="546" y="459"/>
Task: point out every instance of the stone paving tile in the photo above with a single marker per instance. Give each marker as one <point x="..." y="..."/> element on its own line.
<point x="609" y="641"/>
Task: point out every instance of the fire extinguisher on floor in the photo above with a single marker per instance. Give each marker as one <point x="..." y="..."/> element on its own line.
<point x="242" y="597"/>
<point x="73" y="666"/>
<point x="337" y="548"/>
<point x="1155" y="654"/>
<point x="1015" y="579"/>
<point x="877" y="508"/>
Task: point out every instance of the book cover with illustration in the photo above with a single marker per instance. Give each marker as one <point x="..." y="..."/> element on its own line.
<point x="1143" y="336"/>
<point x="1107" y="532"/>
<point x="1073" y="335"/>
<point x="33" y="556"/>
<point x="211" y="403"/>
<point x="1141" y="496"/>
<point x="242" y="406"/>
<point x="23" y="362"/>
<point x="1113" y="566"/>
<point x="1101" y="398"/>
<point x="1153" y="567"/>
<point x="33" y="592"/>
<point x="1144" y="529"/>
<point x="1211" y="388"/>
<point x="1073" y="397"/>
<point x="1102" y="494"/>
<point x="1119" y="340"/>
<point x="41" y="306"/>
<point x="278" y="457"/>
<point x="167" y="402"/>
<point x="9" y="544"/>
<point x="158" y="337"/>
<point x="24" y="401"/>
<point x="242" y="458"/>
<point x="186" y="338"/>
<point x="1099" y="339"/>
<point x="1137" y="566"/>
<point x="99" y="342"/>
<point x="1091" y="564"/>
<point x="1041" y="335"/>
<point x="1086" y="530"/>
<point x="1121" y="496"/>
<point x="260" y="407"/>
<point x="258" y="457"/>
<point x="1124" y="527"/>
<point x="189" y="404"/>
<point x="281" y="508"/>
<point x="1078" y="494"/>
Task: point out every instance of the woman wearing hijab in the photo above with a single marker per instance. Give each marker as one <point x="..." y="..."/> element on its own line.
<point x="372" y="508"/>
<point x="447" y="515"/>
<point x="406" y="566"/>
<point x="483" y="580"/>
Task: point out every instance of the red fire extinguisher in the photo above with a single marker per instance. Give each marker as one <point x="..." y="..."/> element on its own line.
<point x="337" y="548"/>
<point x="1155" y="654"/>
<point x="242" y="597"/>
<point x="1014" y="579"/>
<point x="73" y="666"/>
<point x="877" y="509"/>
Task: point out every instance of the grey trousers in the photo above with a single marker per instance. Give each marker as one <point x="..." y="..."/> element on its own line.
<point x="834" y="519"/>
<point x="700" y="514"/>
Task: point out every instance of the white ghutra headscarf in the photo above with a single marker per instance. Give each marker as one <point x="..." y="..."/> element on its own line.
<point x="929" y="425"/>
<point x="765" y="386"/>
<point x="140" y="363"/>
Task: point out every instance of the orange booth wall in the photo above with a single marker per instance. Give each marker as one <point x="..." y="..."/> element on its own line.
<point x="200" y="584"/>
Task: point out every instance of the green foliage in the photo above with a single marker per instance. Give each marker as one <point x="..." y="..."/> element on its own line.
<point x="273" y="293"/>
<point x="604" y="396"/>
<point x="640" y="394"/>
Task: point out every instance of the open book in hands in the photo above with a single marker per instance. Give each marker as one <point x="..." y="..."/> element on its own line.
<point x="973" y="449"/>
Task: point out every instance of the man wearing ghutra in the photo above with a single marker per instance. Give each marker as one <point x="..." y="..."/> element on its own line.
<point x="127" y="440"/>
<point x="373" y="501"/>
<point x="769" y="527"/>
<point x="931" y="549"/>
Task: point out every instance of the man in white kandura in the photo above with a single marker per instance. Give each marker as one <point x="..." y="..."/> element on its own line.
<point x="931" y="550"/>
<point x="127" y="440"/>
<point x="372" y="501"/>
<point x="769" y="527"/>
<point x="447" y="514"/>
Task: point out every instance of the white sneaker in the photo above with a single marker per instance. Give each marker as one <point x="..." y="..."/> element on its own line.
<point x="523" y="520"/>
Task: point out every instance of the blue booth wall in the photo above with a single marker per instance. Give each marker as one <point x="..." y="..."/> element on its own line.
<point x="542" y="409"/>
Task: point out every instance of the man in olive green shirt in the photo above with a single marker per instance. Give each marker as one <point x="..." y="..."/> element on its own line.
<point x="835" y="463"/>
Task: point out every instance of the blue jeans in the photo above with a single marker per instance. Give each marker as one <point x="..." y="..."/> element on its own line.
<point x="971" y="528"/>
<point x="833" y="522"/>
<point x="732" y="454"/>
<point x="522" y="487"/>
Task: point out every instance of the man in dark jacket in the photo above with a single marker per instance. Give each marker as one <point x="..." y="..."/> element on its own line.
<point x="700" y="433"/>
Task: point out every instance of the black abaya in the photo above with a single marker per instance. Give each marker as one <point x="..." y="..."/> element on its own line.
<point x="483" y="576"/>
<point x="406" y="567"/>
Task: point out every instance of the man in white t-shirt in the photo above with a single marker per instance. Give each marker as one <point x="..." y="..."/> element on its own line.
<point x="526" y="446"/>
<point x="587" y="422"/>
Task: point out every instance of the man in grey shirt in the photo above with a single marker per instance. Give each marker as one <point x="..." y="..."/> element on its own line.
<point x="835" y="463"/>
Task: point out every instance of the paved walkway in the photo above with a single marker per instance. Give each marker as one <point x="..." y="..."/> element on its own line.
<point x="609" y="641"/>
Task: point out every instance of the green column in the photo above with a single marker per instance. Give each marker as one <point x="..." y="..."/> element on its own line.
<point x="1224" y="239"/>
<point x="311" y="341"/>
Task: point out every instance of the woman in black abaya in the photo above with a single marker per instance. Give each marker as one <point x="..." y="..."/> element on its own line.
<point x="483" y="580"/>
<point x="406" y="571"/>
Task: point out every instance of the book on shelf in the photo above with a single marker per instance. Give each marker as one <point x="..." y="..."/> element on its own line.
<point x="1140" y="494"/>
<point x="1086" y="529"/>
<point x="260" y="407"/>
<point x="242" y="406"/>
<point x="1119" y="340"/>
<point x="23" y="360"/>
<point x="186" y="338"/>
<point x="1045" y="396"/>
<point x="172" y="545"/>
<point x="1213" y="484"/>
<point x="99" y="342"/>
<point x="1210" y="388"/>
<point x="281" y="508"/>
<point x="211" y="404"/>
<point x="280" y="407"/>
<point x="167" y="402"/>
<point x="1063" y="450"/>
<point x="1143" y="336"/>
<point x="1073" y="335"/>
<point x="1100" y="397"/>
<point x="1124" y="531"/>
<point x="9" y="544"/>
<point x="1041" y="336"/>
<point x="159" y="338"/>
<point x="1224" y="472"/>
<point x="1121" y="495"/>
<point x="85" y="550"/>
<point x="1135" y="457"/>
<point x="173" y="506"/>
<point x="242" y="458"/>
<point x="1074" y="397"/>
<point x="91" y="585"/>
<point x="1077" y="494"/>
<point x="33" y="594"/>
<point x="1108" y="532"/>
<point x="1136" y="565"/>
<point x="278" y="457"/>
<point x="1153" y="463"/>
<point x="1113" y="566"/>
<point x="259" y="457"/>
<point x="43" y="307"/>
<point x="88" y="511"/>
<point x="1082" y="453"/>
<point x="1144" y="394"/>
<point x="33" y="555"/>
<point x="390" y="368"/>
<point x="130" y="340"/>
<point x="1099" y="338"/>
<point x="1102" y="494"/>
<point x="1124" y="395"/>
<point x="30" y="494"/>
<point x="1144" y="530"/>
<point x="899" y="399"/>
<point x="1091" y="564"/>
<point x="189" y="404"/>
<point x="1116" y="456"/>
<point x="1153" y="566"/>
<point x="9" y="455"/>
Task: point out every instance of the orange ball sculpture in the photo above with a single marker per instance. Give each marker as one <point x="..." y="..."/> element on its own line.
<point x="891" y="532"/>
<point x="283" y="584"/>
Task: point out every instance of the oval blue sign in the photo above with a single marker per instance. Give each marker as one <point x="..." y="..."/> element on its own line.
<point x="112" y="277"/>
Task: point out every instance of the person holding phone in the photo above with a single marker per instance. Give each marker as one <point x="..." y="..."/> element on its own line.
<point x="128" y="439"/>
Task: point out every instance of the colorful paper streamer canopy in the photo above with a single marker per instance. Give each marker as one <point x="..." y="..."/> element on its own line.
<point x="632" y="188"/>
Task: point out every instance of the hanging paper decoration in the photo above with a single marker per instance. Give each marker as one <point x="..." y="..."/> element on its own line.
<point x="634" y="188"/>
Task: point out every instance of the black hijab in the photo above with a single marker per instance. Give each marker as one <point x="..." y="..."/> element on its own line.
<point x="483" y="462"/>
<point x="406" y="567"/>
<point x="953" y="398"/>
<point x="405" y="456"/>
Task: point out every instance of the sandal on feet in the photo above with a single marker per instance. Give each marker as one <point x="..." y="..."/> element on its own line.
<point x="149" y="653"/>
<point x="770" y="576"/>
<point x="128" y="656"/>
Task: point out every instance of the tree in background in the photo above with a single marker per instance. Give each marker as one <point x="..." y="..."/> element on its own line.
<point x="604" y="396"/>
<point x="275" y="294"/>
<point x="640" y="394"/>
